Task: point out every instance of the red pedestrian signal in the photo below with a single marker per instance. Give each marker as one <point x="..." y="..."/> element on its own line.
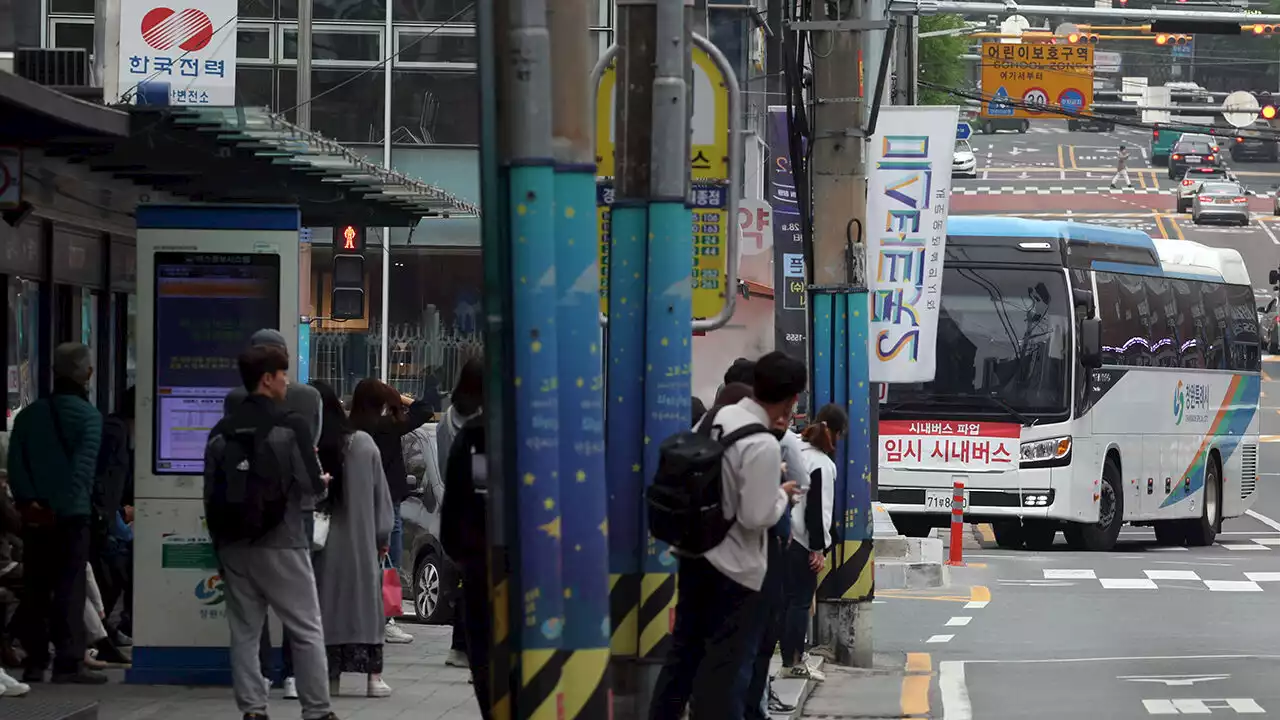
<point x="348" y="239"/>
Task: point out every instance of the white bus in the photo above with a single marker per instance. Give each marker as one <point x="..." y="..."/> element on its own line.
<point x="1086" y="378"/>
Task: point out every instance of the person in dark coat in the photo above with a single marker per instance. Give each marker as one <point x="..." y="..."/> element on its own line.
<point x="464" y="535"/>
<point x="382" y="412"/>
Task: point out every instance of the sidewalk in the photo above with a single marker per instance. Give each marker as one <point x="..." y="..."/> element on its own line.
<point x="423" y="689"/>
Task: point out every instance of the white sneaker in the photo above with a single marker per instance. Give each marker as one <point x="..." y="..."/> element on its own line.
<point x="456" y="658"/>
<point x="393" y="634"/>
<point x="11" y="687"/>
<point x="266" y="681"/>
<point x="290" y="689"/>
<point x="378" y="688"/>
<point x="804" y="671"/>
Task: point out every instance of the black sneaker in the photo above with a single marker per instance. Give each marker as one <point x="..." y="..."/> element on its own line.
<point x="110" y="654"/>
<point x="82" y="676"/>
<point x="777" y="705"/>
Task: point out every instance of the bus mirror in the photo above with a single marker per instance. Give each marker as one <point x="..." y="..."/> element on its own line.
<point x="1091" y="343"/>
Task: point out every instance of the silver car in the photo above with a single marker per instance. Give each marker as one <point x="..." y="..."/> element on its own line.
<point x="1222" y="202"/>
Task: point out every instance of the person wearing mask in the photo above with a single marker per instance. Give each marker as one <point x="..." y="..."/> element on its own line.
<point x="718" y="605"/>
<point x="467" y="399"/>
<point x="810" y="536"/>
<point x="53" y="457"/>
<point x="387" y="416"/>
<point x="348" y="573"/>
<point x="463" y="522"/>
<point x="301" y="400"/>
<point x="267" y="566"/>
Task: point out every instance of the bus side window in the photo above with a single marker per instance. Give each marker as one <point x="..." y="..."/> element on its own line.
<point x="1164" y="315"/>
<point x="1213" y="298"/>
<point x="1114" y="333"/>
<point x="1244" y="352"/>
<point x="1191" y="352"/>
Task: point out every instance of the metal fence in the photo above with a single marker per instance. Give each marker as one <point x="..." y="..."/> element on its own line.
<point x="423" y="358"/>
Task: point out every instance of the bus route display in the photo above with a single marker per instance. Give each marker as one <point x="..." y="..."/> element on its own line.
<point x="206" y="307"/>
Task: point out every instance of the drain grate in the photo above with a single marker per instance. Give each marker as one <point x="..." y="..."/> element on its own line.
<point x="32" y="709"/>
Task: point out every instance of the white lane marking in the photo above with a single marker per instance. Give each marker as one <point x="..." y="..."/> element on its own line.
<point x="975" y="604"/>
<point x="1270" y="233"/>
<point x="1037" y="583"/>
<point x="1267" y="541"/>
<point x="1202" y="706"/>
<point x="1173" y="680"/>
<point x="1263" y="519"/>
<point x="1159" y="707"/>
<point x="1171" y="574"/>
<point x="1250" y="546"/>
<point x="1249" y="532"/>
<point x="1232" y="585"/>
<point x="1263" y="576"/>
<point x="1171" y="548"/>
<point x="939" y="638"/>
<point x="955" y="695"/>
<point x="1119" y="658"/>
<point x="1127" y="584"/>
<point x="959" y="621"/>
<point x="1197" y="564"/>
<point x="1063" y="574"/>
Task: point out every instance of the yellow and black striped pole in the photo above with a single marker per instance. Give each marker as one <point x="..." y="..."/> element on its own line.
<point x="840" y="375"/>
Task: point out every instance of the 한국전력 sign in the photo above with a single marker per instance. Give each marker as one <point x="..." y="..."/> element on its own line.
<point x="908" y="195"/>
<point x="190" y="45"/>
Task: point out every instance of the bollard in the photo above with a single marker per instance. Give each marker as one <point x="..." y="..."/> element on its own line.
<point x="956" y="558"/>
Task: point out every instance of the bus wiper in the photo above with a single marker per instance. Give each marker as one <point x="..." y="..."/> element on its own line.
<point x="1001" y="404"/>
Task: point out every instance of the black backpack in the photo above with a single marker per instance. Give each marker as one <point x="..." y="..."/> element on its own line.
<point x="686" y="504"/>
<point x="245" y="491"/>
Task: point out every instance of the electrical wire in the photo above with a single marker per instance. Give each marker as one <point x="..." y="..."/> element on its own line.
<point x="384" y="61"/>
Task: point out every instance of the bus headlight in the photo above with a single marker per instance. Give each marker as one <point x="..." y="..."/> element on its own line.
<point x="1039" y="452"/>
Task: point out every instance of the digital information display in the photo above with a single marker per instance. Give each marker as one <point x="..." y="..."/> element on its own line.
<point x="206" y="307"/>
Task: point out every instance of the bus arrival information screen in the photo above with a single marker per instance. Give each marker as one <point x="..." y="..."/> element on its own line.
<point x="207" y="306"/>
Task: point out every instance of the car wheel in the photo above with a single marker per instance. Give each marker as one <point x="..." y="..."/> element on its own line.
<point x="428" y="587"/>
<point x="1202" y="531"/>
<point x="988" y="128"/>
<point x="1024" y="126"/>
<point x="1072" y="126"/>
<point x="1102" y="535"/>
<point x="1274" y="343"/>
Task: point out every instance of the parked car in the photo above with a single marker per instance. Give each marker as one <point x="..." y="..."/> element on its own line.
<point x="994" y="124"/>
<point x="1254" y="148"/>
<point x="1221" y="201"/>
<point x="963" y="163"/>
<point x="1185" y="192"/>
<point x="1190" y="153"/>
<point x="427" y="575"/>
<point x="1091" y="123"/>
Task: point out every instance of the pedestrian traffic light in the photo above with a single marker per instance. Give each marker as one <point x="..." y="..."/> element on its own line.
<point x="348" y="273"/>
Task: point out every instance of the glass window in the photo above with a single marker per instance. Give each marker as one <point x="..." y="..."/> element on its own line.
<point x="374" y="10"/>
<point x="1187" y="298"/>
<point x="265" y="9"/>
<point x="23" y="341"/>
<point x="1124" y="328"/>
<point x="253" y="43"/>
<point x="452" y="11"/>
<point x="1242" y="329"/>
<point x="254" y="86"/>
<point x="335" y="45"/>
<point x="333" y="110"/>
<point x="1163" y="312"/>
<point x="437" y="45"/>
<point x="434" y="107"/>
<point x="1211" y="325"/>
<point x="79" y="7"/>
<point x="73" y="35"/>
<point x="730" y="30"/>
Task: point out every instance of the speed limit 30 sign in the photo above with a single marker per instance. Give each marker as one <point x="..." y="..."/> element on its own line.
<point x="1035" y="100"/>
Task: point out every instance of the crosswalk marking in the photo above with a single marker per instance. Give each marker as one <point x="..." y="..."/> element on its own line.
<point x="1232" y="585"/>
<point x="1171" y="574"/>
<point x="1128" y="584"/>
<point x="1063" y="574"/>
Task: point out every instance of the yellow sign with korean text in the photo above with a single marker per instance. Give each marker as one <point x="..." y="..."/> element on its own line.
<point x="709" y="171"/>
<point x="1036" y="80"/>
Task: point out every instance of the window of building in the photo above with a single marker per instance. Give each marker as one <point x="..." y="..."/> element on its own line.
<point x="265" y="9"/>
<point x="71" y="7"/>
<point x="255" y="87"/>
<point x="72" y="34"/>
<point x="371" y="10"/>
<point x="730" y="31"/>
<point x="362" y="45"/>
<point x="253" y="43"/>
<point x="438" y="46"/>
<point x="347" y="105"/>
<point x="435" y="107"/>
<point x="24" y="327"/>
<point x="434" y="11"/>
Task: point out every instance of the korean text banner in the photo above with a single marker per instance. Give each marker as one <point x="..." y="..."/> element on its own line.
<point x="908" y="194"/>
<point x="1028" y="80"/>
<point x="191" y="48"/>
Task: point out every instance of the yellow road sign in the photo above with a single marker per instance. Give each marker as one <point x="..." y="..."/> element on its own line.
<point x="709" y="170"/>
<point x="1026" y="80"/>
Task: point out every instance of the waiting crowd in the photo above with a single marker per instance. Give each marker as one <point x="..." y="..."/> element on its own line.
<point x="302" y="503"/>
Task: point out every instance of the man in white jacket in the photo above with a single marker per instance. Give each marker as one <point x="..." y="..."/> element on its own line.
<point x="718" y="610"/>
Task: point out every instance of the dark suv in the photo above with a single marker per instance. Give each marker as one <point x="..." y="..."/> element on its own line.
<point x="1190" y="153"/>
<point x="1254" y="148"/>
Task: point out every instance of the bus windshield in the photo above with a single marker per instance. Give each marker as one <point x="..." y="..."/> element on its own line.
<point x="1003" y="333"/>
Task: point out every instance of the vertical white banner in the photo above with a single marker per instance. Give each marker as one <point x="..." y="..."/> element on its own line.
<point x="190" y="46"/>
<point x="908" y="195"/>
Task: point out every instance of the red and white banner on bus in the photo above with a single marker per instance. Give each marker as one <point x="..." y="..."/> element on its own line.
<point x="949" y="445"/>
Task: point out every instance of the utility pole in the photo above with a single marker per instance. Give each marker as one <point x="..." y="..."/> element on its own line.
<point x="906" y="61"/>
<point x="584" y="526"/>
<point x="839" y="196"/>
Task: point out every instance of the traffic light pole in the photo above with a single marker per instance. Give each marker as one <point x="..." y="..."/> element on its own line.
<point x="935" y="7"/>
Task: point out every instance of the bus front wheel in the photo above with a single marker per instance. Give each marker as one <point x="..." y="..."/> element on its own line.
<point x="1102" y="535"/>
<point x="1202" y="531"/>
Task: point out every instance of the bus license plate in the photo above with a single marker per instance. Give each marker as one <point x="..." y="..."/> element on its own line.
<point x="940" y="500"/>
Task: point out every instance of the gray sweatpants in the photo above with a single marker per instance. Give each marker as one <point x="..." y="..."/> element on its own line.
<point x="281" y="579"/>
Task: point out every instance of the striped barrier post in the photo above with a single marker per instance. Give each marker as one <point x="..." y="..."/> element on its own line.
<point x="956" y="556"/>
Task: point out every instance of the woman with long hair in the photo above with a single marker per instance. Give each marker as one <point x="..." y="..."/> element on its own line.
<point x="387" y="416"/>
<point x="348" y="569"/>
<point x="810" y="533"/>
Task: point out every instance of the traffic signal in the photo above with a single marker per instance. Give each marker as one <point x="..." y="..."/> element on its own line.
<point x="1167" y="39"/>
<point x="1263" y="29"/>
<point x="1079" y="38"/>
<point x="1266" y="105"/>
<point x="348" y="273"/>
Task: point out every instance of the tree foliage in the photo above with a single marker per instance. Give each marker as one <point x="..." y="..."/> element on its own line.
<point x="940" y="62"/>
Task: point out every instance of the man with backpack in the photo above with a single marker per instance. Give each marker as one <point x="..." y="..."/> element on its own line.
<point x="260" y="472"/>
<point x="53" y="458"/>
<point x="714" y="498"/>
